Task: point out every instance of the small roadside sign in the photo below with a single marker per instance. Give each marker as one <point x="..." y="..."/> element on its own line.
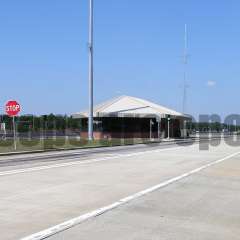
<point x="12" y="109"/>
<point x="3" y="126"/>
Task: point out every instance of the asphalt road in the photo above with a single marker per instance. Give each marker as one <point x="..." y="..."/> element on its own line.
<point x="201" y="200"/>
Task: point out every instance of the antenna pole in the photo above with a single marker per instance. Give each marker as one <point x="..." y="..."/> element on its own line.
<point x="90" y="47"/>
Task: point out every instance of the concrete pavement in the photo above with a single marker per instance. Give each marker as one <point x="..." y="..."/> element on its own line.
<point x="203" y="206"/>
<point x="38" y="159"/>
<point x="33" y="200"/>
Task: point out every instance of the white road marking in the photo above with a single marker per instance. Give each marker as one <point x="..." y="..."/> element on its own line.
<point x="60" y="165"/>
<point x="75" y="221"/>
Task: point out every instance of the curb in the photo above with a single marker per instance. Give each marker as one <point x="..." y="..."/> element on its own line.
<point x="94" y="147"/>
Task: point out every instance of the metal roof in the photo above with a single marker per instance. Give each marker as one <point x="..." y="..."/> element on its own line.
<point x="127" y="106"/>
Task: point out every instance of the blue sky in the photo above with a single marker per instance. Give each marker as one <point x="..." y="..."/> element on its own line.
<point x="138" y="52"/>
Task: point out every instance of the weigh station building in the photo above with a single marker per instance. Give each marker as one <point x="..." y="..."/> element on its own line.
<point x="131" y="117"/>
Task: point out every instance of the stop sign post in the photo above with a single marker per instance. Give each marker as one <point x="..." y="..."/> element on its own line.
<point x="12" y="109"/>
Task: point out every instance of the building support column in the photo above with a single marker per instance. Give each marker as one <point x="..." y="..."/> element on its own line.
<point x="168" y="126"/>
<point x="150" y="133"/>
<point x="159" y="127"/>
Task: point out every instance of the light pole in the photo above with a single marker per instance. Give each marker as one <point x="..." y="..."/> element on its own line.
<point x="90" y="48"/>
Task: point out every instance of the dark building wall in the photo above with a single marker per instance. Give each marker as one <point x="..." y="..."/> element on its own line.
<point x="113" y="127"/>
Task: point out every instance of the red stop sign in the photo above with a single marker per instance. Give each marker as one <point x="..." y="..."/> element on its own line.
<point x="12" y="108"/>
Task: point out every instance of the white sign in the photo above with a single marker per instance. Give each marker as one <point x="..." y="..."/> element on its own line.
<point x="3" y="126"/>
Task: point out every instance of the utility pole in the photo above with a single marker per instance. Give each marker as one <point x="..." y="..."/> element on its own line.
<point x="90" y="48"/>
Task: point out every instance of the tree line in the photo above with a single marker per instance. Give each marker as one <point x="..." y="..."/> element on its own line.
<point x="27" y="123"/>
<point x="212" y="126"/>
<point x="49" y="122"/>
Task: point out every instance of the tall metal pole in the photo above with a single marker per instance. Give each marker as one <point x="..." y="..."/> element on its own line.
<point x="185" y="56"/>
<point x="90" y="46"/>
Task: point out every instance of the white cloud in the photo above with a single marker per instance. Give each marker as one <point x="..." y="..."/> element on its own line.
<point x="211" y="83"/>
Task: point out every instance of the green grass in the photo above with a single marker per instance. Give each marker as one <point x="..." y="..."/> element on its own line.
<point x="62" y="143"/>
